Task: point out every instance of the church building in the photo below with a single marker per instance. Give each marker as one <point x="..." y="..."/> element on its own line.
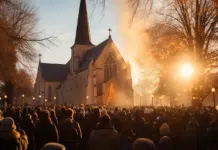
<point x="95" y="74"/>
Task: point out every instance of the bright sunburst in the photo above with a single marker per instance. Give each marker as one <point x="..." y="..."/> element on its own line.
<point x="186" y="70"/>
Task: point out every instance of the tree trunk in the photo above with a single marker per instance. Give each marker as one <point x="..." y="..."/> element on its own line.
<point x="9" y="88"/>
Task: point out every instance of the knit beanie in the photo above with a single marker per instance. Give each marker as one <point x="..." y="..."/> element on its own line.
<point x="165" y="129"/>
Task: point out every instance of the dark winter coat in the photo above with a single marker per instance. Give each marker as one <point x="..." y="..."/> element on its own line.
<point x="13" y="141"/>
<point x="70" y="133"/>
<point x="29" y="128"/>
<point x="104" y="139"/>
<point x="45" y="133"/>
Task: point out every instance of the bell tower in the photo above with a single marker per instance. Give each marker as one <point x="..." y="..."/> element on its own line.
<point x="82" y="39"/>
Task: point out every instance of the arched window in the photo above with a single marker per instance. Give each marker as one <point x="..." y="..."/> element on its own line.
<point x="49" y="93"/>
<point x="110" y="68"/>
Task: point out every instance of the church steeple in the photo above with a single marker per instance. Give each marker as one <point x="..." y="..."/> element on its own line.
<point x="82" y="31"/>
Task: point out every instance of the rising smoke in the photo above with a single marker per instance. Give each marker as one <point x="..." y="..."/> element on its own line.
<point x="136" y="46"/>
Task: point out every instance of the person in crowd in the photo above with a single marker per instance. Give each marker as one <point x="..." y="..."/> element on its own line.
<point x="190" y="139"/>
<point x="45" y="130"/>
<point x="212" y="132"/>
<point x="53" y="146"/>
<point x="90" y="124"/>
<point x="54" y="118"/>
<point x="139" y="125"/>
<point x="10" y="138"/>
<point x="35" y="118"/>
<point x="104" y="136"/>
<point x="69" y="131"/>
<point x="127" y="138"/>
<point x="143" y="144"/>
<point x="165" y="143"/>
<point x="164" y="130"/>
<point x="28" y="126"/>
<point x="1" y="115"/>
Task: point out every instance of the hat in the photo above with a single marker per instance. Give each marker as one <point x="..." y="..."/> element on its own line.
<point x="165" y="143"/>
<point x="53" y="146"/>
<point x="7" y="124"/>
<point x="164" y="129"/>
<point x="143" y="144"/>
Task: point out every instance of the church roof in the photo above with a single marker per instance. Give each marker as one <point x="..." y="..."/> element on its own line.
<point x="83" y="31"/>
<point x="54" y="72"/>
<point x="93" y="54"/>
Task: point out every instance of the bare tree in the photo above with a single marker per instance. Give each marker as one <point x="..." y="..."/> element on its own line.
<point x="188" y="27"/>
<point x="17" y="37"/>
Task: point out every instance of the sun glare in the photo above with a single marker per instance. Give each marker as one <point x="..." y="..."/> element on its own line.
<point x="135" y="73"/>
<point x="186" y="70"/>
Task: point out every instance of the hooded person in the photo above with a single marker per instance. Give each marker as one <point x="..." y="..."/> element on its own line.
<point x="104" y="136"/>
<point x="10" y="138"/>
<point x="69" y="131"/>
<point x="165" y="143"/>
<point x="190" y="139"/>
<point x="53" y="146"/>
<point x="164" y="129"/>
<point x="143" y="144"/>
<point x="28" y="126"/>
<point x="45" y="130"/>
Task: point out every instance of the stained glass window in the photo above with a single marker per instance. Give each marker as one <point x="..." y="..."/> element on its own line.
<point x="110" y="68"/>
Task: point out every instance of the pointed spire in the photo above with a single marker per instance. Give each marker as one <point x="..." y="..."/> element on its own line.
<point x="82" y="31"/>
<point x="40" y="56"/>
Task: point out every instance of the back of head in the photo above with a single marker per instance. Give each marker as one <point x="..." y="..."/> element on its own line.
<point x="52" y="113"/>
<point x="7" y="124"/>
<point x="69" y="113"/>
<point x="165" y="129"/>
<point x="96" y="113"/>
<point x="53" y="146"/>
<point x="165" y="143"/>
<point x="143" y="144"/>
<point x="45" y="116"/>
<point x="105" y="120"/>
<point x="27" y="117"/>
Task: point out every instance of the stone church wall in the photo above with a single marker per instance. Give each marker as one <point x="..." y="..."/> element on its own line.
<point x="77" y="55"/>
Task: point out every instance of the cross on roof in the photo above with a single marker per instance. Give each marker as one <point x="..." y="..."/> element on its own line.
<point x="109" y="32"/>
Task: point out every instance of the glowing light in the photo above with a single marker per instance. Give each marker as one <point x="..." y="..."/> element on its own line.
<point x="216" y="107"/>
<point x="186" y="70"/>
<point x="213" y="90"/>
<point x="135" y="73"/>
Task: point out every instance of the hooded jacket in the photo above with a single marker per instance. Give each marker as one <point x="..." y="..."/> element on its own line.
<point x="104" y="138"/>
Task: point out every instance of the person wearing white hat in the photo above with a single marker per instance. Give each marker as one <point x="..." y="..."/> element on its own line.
<point x="10" y="138"/>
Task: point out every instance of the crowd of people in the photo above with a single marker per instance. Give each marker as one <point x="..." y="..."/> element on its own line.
<point x="86" y="127"/>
